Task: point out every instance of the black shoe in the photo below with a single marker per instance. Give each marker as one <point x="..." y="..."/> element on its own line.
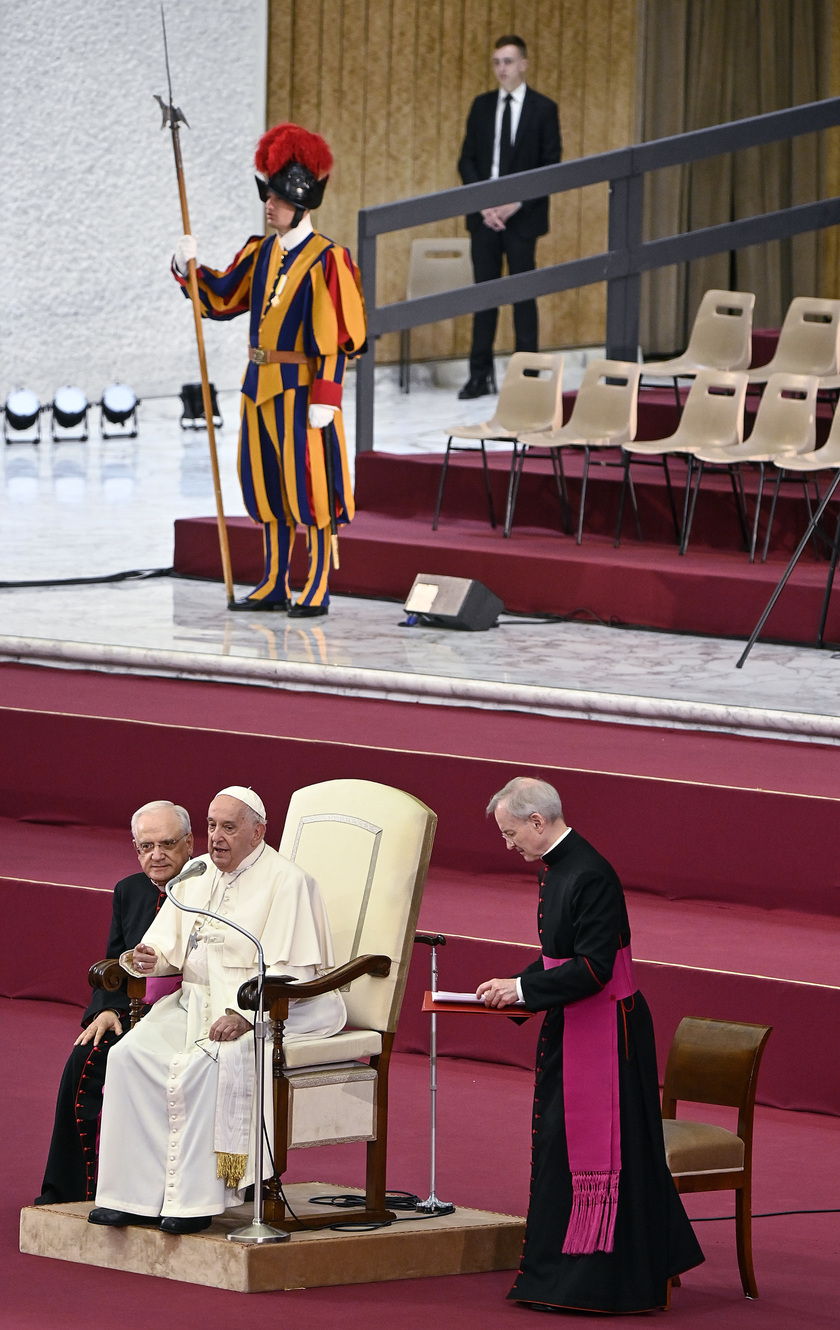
<point x="196" y="1224"/>
<point x="307" y="611"/>
<point x="119" y="1218"/>
<point x="477" y="385"/>
<point x="261" y="606"/>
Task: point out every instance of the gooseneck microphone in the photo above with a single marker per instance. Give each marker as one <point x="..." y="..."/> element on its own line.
<point x="195" y="869"/>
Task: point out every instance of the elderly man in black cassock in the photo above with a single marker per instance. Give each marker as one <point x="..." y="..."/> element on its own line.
<point x="606" y="1228"/>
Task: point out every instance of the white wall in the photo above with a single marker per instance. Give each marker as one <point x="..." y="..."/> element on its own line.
<point x="89" y="211"/>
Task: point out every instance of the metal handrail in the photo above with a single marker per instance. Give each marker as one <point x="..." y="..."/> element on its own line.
<point x="627" y="255"/>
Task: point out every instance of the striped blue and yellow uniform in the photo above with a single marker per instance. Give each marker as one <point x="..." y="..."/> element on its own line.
<point x="307" y="300"/>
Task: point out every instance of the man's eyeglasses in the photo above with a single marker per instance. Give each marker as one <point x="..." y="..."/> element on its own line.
<point x="146" y="846"/>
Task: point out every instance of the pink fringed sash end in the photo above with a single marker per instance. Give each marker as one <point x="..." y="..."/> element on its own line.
<point x="592" y="1109"/>
<point x="592" y="1221"/>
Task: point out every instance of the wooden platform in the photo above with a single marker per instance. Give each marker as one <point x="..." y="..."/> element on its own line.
<point x="466" y="1242"/>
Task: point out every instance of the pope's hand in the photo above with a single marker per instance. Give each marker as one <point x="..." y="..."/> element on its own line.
<point x="229" y="1027"/>
<point x="185" y="250"/>
<point x="143" y="958"/>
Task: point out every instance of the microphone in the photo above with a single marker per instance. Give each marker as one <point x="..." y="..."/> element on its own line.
<point x="195" y="869"/>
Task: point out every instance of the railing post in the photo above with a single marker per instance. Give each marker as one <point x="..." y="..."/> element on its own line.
<point x="366" y="364"/>
<point x="624" y="293"/>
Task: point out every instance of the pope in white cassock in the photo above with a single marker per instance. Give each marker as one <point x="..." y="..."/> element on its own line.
<point x="178" y="1117"/>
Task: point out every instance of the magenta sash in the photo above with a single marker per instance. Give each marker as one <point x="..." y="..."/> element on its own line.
<point x="162" y="987"/>
<point x="590" y="1096"/>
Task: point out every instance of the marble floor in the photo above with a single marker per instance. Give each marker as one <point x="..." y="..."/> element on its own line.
<point x="73" y="510"/>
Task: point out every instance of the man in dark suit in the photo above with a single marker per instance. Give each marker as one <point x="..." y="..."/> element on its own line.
<point x="514" y="129"/>
<point x="164" y="843"/>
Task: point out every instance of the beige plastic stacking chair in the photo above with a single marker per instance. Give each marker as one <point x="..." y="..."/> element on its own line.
<point x="802" y="466"/>
<point x="713" y="416"/>
<point x="721" y="338"/>
<point x="785" y="423"/>
<point x="530" y="401"/>
<point x="433" y="266"/>
<point x="604" y="416"/>
<point x="808" y="342"/>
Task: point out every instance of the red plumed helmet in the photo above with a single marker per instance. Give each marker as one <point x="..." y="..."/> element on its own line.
<point x="292" y="143"/>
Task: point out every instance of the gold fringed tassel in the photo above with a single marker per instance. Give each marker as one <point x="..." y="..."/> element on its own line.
<point x="231" y="1168"/>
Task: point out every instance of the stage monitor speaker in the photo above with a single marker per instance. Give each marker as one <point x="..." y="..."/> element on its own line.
<point x="453" y="602"/>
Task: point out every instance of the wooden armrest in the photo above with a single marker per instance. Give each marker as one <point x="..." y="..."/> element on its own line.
<point x="107" y="974"/>
<point x="281" y="986"/>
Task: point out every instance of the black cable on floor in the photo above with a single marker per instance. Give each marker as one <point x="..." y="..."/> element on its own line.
<point x="764" y="1214"/>
<point x="138" y="574"/>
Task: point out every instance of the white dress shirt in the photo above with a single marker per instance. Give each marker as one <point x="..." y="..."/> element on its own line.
<point x="517" y="97"/>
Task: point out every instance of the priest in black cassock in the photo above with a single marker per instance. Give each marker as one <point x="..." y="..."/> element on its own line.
<point x="606" y="1229"/>
<point x="163" y="842"/>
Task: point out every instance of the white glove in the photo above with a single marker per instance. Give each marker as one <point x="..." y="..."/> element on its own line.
<point x="320" y="416"/>
<point x="185" y="250"/>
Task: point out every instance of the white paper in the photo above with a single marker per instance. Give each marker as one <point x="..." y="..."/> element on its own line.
<point x="469" y="999"/>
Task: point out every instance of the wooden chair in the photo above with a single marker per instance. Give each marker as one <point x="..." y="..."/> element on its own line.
<point x="715" y="1062"/>
<point x="368" y="846"/>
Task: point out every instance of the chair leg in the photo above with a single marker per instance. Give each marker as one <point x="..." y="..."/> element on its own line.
<point x="772" y="515"/>
<point x="688" y="519"/>
<point x="670" y="489"/>
<point x="677" y="396"/>
<point x="635" y="507"/>
<point x="557" y="458"/>
<point x="490" y="507"/>
<point x="743" y="1242"/>
<point x="405" y="360"/>
<point x="738" y="491"/>
<point x="517" y="462"/>
<point x="832" y="568"/>
<point x="583" y="494"/>
<point x="754" y="540"/>
<point x="442" y="483"/>
<point x="624" y="479"/>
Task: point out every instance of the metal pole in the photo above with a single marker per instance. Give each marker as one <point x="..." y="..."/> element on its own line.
<point x="812" y="526"/>
<point x="432" y="1205"/>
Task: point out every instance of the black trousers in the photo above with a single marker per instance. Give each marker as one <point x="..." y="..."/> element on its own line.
<point x="489" y="249"/>
<point x="70" y="1174"/>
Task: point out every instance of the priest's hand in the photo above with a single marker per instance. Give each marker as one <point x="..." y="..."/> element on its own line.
<point x="498" y="992"/>
<point x="106" y="1020"/>
<point x="229" y="1027"/>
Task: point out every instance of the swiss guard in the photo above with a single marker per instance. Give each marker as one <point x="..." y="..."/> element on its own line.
<point x="303" y="293"/>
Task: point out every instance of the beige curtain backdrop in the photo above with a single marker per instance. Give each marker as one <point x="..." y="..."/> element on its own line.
<point x="389" y="84"/>
<point x="706" y="62"/>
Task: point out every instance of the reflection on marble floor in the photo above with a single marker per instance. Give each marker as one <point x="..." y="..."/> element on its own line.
<point x="81" y="510"/>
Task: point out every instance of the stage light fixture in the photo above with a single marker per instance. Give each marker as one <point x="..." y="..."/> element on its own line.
<point x="119" y="407"/>
<point x="21" y="412"/>
<point x="70" y="409"/>
<point x="192" y="403"/>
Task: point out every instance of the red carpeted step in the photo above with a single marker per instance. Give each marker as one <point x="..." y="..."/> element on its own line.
<point x="708" y="591"/>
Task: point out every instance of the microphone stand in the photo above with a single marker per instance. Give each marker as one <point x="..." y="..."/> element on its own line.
<point x="258" y="1231"/>
<point x="432" y="1205"/>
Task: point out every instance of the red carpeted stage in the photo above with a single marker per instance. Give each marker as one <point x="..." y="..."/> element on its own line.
<point x="712" y="589"/>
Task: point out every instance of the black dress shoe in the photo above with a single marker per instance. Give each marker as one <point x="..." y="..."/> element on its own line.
<point x="260" y="606"/>
<point x="307" y="611"/>
<point x="195" y="1224"/>
<point x="477" y="385"/>
<point x="119" y="1218"/>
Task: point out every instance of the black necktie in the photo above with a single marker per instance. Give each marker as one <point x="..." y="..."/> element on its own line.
<point x="505" y="145"/>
